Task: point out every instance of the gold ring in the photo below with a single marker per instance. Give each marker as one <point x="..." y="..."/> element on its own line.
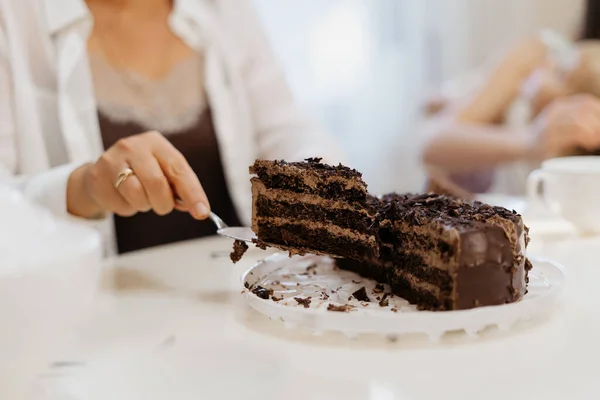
<point x="122" y="176"/>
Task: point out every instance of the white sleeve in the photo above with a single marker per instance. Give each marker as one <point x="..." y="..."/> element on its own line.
<point x="48" y="188"/>
<point x="283" y="130"/>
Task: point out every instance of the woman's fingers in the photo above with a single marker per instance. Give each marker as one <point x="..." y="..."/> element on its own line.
<point x="572" y="122"/>
<point x="133" y="192"/>
<point x="101" y="180"/>
<point x="586" y="125"/>
<point x="184" y="181"/>
<point x="154" y="183"/>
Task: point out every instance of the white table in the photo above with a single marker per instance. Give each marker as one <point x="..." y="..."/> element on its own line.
<point x="168" y="326"/>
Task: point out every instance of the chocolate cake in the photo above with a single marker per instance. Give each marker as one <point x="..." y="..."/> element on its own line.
<point x="310" y="207"/>
<point x="438" y="252"/>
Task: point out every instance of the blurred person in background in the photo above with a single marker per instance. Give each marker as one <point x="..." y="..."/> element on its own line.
<point x="110" y="109"/>
<point x="488" y="140"/>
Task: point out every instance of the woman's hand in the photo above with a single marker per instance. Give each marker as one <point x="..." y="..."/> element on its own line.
<point x="566" y="125"/>
<point x="160" y="173"/>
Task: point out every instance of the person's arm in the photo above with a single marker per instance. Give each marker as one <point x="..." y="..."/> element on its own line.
<point x="503" y="84"/>
<point x="47" y="188"/>
<point x="465" y="148"/>
<point x="468" y="137"/>
<point x="283" y="130"/>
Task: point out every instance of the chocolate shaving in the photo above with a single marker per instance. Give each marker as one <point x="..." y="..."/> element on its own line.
<point x="340" y="308"/>
<point x="312" y="268"/>
<point x="384" y="301"/>
<point x="276" y="299"/>
<point x="305" y="302"/>
<point x="313" y="160"/>
<point x="361" y="295"/>
<point x="394" y="309"/>
<point x="239" y="248"/>
<point x="262" y="292"/>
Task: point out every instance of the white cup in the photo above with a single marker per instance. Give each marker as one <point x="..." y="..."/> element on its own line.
<point x="570" y="187"/>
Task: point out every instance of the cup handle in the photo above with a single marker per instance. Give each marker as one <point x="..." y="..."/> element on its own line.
<point x="533" y="187"/>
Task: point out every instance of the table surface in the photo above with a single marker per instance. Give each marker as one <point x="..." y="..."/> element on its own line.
<point x="170" y="323"/>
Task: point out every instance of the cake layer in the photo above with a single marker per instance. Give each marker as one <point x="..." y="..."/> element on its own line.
<point x="343" y="217"/>
<point x="312" y="177"/>
<point x="425" y="300"/>
<point x="311" y="237"/>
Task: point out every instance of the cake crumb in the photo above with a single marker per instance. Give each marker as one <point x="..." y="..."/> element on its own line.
<point x="246" y="285"/>
<point x="324" y="296"/>
<point x="361" y="295"/>
<point x="378" y="288"/>
<point x="340" y="308"/>
<point x="276" y="299"/>
<point x="312" y="268"/>
<point x="305" y="302"/>
<point x="262" y="292"/>
<point x="261" y="245"/>
<point x="239" y="248"/>
<point x="394" y="309"/>
<point x="384" y="302"/>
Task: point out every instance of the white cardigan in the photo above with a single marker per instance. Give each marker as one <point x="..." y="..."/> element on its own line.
<point x="48" y="115"/>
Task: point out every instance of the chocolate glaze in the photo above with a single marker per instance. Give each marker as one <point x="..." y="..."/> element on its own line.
<point x="486" y="270"/>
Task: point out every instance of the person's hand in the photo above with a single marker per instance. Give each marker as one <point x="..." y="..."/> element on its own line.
<point x="160" y="173"/>
<point x="565" y="125"/>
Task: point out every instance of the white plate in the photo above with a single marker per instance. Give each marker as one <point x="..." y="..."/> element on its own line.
<point x="311" y="276"/>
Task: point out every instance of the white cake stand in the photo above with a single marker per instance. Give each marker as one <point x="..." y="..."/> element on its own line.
<point x="318" y="278"/>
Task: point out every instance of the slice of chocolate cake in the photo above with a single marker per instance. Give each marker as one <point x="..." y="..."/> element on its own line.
<point x="435" y="251"/>
<point x="310" y="207"/>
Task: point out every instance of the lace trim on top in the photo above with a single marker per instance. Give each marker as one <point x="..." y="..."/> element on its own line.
<point x="172" y="104"/>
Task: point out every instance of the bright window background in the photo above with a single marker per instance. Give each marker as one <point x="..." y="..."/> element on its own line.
<point x="364" y="67"/>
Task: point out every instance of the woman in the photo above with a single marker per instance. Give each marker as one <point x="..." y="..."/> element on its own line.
<point x="484" y="141"/>
<point x="92" y="83"/>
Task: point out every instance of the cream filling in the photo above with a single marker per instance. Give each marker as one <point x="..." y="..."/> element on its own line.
<point x="293" y="197"/>
<point x="333" y="229"/>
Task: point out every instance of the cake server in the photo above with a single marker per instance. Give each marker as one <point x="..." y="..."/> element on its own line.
<point x="242" y="233"/>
